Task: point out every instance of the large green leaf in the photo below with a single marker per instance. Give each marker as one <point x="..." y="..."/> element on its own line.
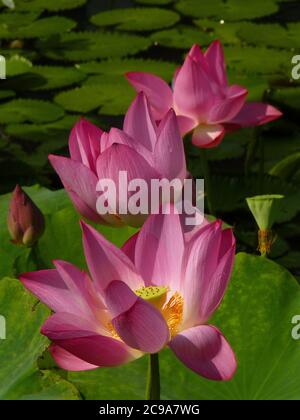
<point x="136" y="19"/>
<point x="21" y="110"/>
<point x="52" y="6"/>
<point x="287" y="167"/>
<point x="118" y="67"/>
<point x="56" y="133"/>
<point x="55" y="77"/>
<point x="288" y="96"/>
<point x="84" y="46"/>
<point x="40" y="28"/>
<point x="181" y="37"/>
<point x="229" y="10"/>
<point x="68" y="245"/>
<point x="17" y="65"/>
<point x="256" y="317"/>
<point x="272" y="35"/>
<point x="111" y="94"/>
<point x="19" y="375"/>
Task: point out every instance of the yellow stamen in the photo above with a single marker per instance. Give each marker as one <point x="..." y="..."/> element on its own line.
<point x="171" y="310"/>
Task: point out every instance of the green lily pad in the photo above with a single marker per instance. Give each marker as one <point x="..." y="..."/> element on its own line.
<point x="272" y="35"/>
<point x="287" y="96"/>
<point x="109" y="93"/>
<point x="155" y="2"/>
<point x="20" y="378"/>
<point x="181" y="37"/>
<point x="40" y="28"/>
<point x="118" y="67"/>
<point x="56" y="132"/>
<point x="253" y="60"/>
<point x="226" y="32"/>
<point x="230" y="10"/>
<point x="21" y="110"/>
<point x="57" y="77"/>
<point x="53" y="6"/>
<point x="17" y="65"/>
<point x="136" y="19"/>
<point x="268" y="357"/>
<point x="84" y="46"/>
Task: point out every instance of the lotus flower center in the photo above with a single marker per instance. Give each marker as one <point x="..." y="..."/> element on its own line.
<point x="153" y="294"/>
<point x="171" y="310"/>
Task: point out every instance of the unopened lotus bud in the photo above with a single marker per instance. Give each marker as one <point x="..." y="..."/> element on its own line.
<point x="25" y="221"/>
<point x="266" y="210"/>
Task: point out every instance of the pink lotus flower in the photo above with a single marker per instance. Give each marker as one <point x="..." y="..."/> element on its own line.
<point x="159" y="290"/>
<point x="202" y="99"/>
<point x="143" y="149"/>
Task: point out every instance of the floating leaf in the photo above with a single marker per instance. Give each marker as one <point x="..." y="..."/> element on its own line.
<point x="118" y="67"/>
<point x="53" y="132"/>
<point x="272" y="34"/>
<point x="84" y="46"/>
<point x="181" y="37"/>
<point x="155" y="2"/>
<point x="21" y="110"/>
<point x="268" y="357"/>
<point x="17" y="65"/>
<point x="40" y="28"/>
<point x="57" y="77"/>
<point x="136" y="19"/>
<point x="230" y="10"/>
<point x="287" y="97"/>
<point x="111" y="93"/>
<point x="253" y="60"/>
<point x="51" y="6"/>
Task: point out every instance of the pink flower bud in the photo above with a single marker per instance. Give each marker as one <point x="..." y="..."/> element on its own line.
<point x="25" y="221"/>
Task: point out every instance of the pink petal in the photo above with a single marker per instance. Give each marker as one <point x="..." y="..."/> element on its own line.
<point x="117" y="136"/>
<point x="129" y="247"/>
<point x="80" y="285"/>
<point x="84" y="143"/>
<point x="122" y="158"/>
<point x="49" y="287"/>
<point x="139" y="122"/>
<point x="215" y="60"/>
<point x="136" y="321"/>
<point x="226" y="109"/>
<point x="159" y="250"/>
<point x="193" y="96"/>
<point x="208" y="264"/>
<point x="255" y="113"/>
<point x="208" y="136"/>
<point x="68" y="361"/>
<point x="81" y="339"/>
<point x="106" y="262"/>
<point x="196" y="55"/>
<point x="156" y="89"/>
<point x="186" y="124"/>
<point x="206" y="351"/>
<point x="169" y="156"/>
<point x="80" y="183"/>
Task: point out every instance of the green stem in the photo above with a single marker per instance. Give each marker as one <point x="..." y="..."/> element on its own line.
<point x="153" y="380"/>
<point x="207" y="179"/>
<point x="261" y="165"/>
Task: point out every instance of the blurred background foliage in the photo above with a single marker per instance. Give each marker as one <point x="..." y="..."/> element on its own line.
<point x="66" y="58"/>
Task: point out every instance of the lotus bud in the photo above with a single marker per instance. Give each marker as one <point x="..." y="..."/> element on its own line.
<point x="25" y="221"/>
<point x="265" y="210"/>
